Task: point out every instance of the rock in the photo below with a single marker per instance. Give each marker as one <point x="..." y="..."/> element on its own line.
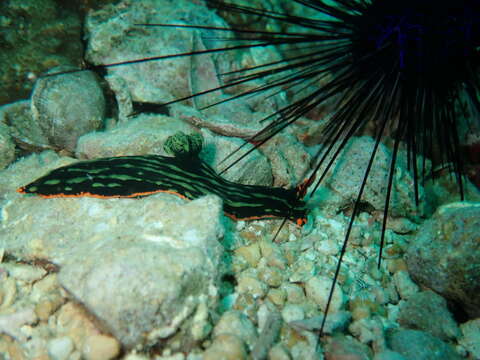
<point x="27" y="169"/>
<point x="270" y="275"/>
<point x="248" y="283"/>
<point x="342" y="347"/>
<point x="442" y="255"/>
<point x="369" y="331"/>
<point x="113" y="36"/>
<point x="11" y="324"/>
<point x="295" y="293"/>
<point x="277" y="296"/>
<point x="439" y="322"/>
<point x="270" y="332"/>
<point x="226" y="347"/>
<point x="155" y="258"/>
<point x="8" y="292"/>
<point x="471" y="337"/>
<point x="235" y="323"/>
<point x="419" y="345"/>
<point x="404" y="285"/>
<point x="317" y="289"/>
<point x="347" y="172"/>
<point x="73" y="321"/>
<point x="335" y="322"/>
<point x="26" y="132"/>
<point x="254" y="169"/>
<point x="7" y="147"/>
<point x="290" y="161"/>
<point x="23" y="272"/>
<point x="292" y="312"/>
<point x="250" y="253"/>
<point x="100" y="347"/>
<point x="273" y="253"/>
<point x="144" y="134"/>
<point x="278" y="352"/>
<point x="60" y="348"/>
<point x="67" y="106"/>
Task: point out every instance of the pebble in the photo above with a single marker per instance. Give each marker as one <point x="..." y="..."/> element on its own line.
<point x="272" y="276"/>
<point x="273" y="254"/>
<point x="278" y="352"/>
<point x="394" y="265"/>
<point x="335" y="322"/>
<point x="328" y="247"/>
<point x="226" y="347"/>
<point x="404" y="284"/>
<point x="234" y="322"/>
<point x="8" y="292"/>
<point x="47" y="307"/>
<point x="248" y="283"/>
<point x="60" y="348"/>
<point x="250" y="253"/>
<point x="100" y="347"/>
<point x="277" y="296"/>
<point x="318" y="288"/>
<point x="369" y="331"/>
<point x="23" y="272"/>
<point x="295" y="293"/>
<point x="292" y="312"/>
<point x="342" y="347"/>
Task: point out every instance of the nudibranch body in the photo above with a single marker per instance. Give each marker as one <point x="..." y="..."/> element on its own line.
<point x="184" y="174"/>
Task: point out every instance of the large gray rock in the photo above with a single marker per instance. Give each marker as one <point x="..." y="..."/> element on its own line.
<point x="445" y="255"/>
<point x="146" y="268"/>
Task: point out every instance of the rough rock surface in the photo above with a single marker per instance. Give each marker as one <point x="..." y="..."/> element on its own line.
<point x="68" y="106"/>
<point x="345" y="347"/>
<point x="347" y="172"/>
<point x="471" y="337"/>
<point x="146" y="134"/>
<point x="143" y="267"/>
<point x="26" y="132"/>
<point x="439" y="322"/>
<point x="445" y="255"/>
<point x="7" y="147"/>
<point x="419" y="345"/>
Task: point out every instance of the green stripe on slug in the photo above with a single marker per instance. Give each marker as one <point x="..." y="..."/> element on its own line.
<point x="184" y="175"/>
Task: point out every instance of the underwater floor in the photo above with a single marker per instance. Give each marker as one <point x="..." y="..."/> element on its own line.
<point x="98" y="276"/>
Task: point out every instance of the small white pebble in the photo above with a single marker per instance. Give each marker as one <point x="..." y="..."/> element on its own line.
<point x="100" y="347"/>
<point x="293" y="312"/>
<point x="60" y="348"/>
<point x="318" y="288"/>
